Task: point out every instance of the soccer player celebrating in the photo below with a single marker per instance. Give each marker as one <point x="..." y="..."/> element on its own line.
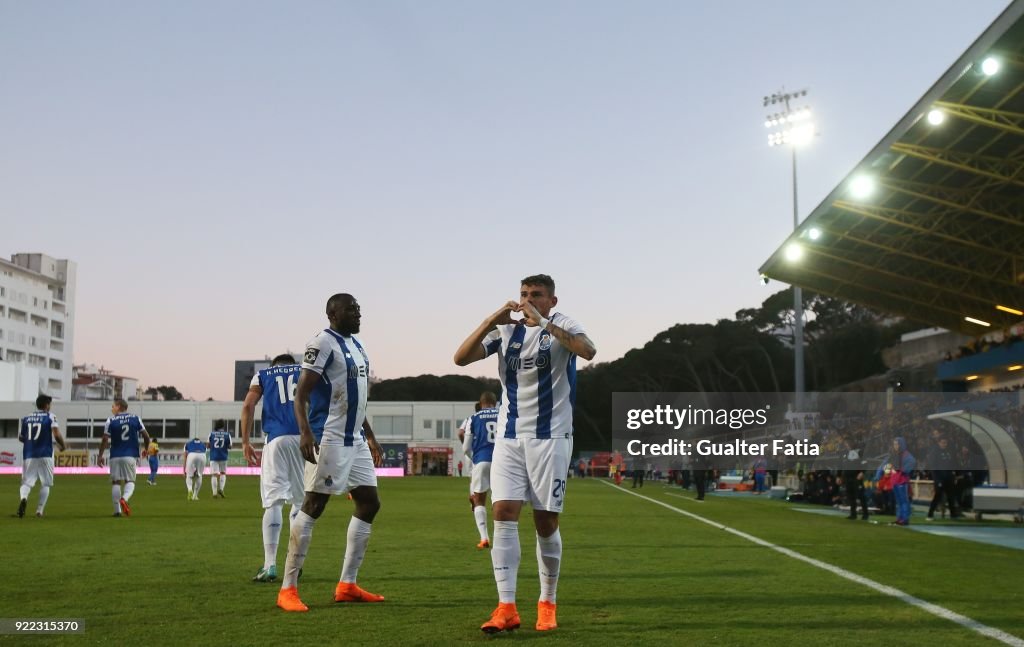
<point x="220" y="443"/>
<point x="480" y="441"/>
<point x="281" y="464"/>
<point x="195" y="463"/>
<point x="339" y="448"/>
<point x="38" y="431"/>
<point x="121" y="434"/>
<point x="533" y="444"/>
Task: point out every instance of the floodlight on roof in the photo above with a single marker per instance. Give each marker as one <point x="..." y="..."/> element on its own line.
<point x="977" y="321"/>
<point x="862" y="187"/>
<point x="794" y="252"/>
<point x="1015" y="367"/>
<point x="1013" y="311"/>
<point x="971" y="378"/>
<point x="936" y="116"/>
<point x="990" y="66"/>
<point x="814" y="233"/>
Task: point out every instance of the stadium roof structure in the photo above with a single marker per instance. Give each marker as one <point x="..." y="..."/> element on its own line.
<point x="930" y="225"/>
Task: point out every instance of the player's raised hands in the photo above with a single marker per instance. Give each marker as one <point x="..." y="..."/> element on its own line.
<point x="531" y="316"/>
<point x="503" y="315"/>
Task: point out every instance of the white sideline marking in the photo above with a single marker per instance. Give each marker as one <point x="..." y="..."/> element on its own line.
<point x="934" y="609"/>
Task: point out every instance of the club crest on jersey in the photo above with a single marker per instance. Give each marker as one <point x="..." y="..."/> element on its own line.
<point x="329" y="481"/>
<point x="311" y="355"/>
<point x="545" y="341"/>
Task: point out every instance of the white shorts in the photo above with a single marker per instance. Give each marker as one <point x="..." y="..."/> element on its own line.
<point x="282" y="471"/>
<point x="37" y="469"/>
<point x="340" y="469"/>
<point x="480" y="478"/>
<point x="195" y="462"/>
<point x="530" y="469"/>
<point x="218" y="467"/>
<point x="122" y="468"/>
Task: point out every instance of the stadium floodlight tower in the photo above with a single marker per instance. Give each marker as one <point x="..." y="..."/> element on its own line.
<point x="791" y="125"/>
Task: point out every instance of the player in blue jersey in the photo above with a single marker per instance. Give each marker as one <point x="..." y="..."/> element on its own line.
<point x="219" y="443"/>
<point x="281" y="463"/>
<point x="537" y="369"/>
<point x="37" y="432"/>
<point x="121" y="434"/>
<point x="339" y="448"/>
<point x="479" y="445"/>
<point x="195" y="464"/>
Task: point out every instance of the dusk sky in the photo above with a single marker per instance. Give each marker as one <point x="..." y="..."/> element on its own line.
<point x="218" y="169"/>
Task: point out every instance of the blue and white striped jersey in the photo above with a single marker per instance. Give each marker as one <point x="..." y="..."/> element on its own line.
<point x="538" y="379"/>
<point x="337" y="406"/>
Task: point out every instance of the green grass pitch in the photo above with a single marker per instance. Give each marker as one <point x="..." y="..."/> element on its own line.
<point x="633" y="573"/>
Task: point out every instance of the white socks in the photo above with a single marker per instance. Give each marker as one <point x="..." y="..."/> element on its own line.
<point x="223" y="479"/>
<point x="129" y="490"/>
<point x="549" y="560"/>
<point x="24" y="491"/>
<point x="298" y="544"/>
<point x="115" y="496"/>
<point x="271" y="534"/>
<point x="217" y="483"/>
<point x="44" y="494"/>
<point x="505" y="557"/>
<point x="355" y="549"/>
<point x="480" y="514"/>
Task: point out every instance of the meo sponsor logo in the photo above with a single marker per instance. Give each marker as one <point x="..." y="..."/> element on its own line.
<point x="527" y="363"/>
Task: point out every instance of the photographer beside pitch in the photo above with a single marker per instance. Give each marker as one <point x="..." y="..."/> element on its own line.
<point x="533" y="444"/>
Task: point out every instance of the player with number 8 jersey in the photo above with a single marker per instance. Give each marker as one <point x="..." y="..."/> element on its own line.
<point x="479" y="444"/>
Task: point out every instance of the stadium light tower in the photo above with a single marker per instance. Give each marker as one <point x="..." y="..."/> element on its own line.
<point x="791" y="125"/>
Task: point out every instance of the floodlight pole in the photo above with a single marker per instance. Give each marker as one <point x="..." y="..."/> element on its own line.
<point x="787" y="116"/>
<point x="798" y="312"/>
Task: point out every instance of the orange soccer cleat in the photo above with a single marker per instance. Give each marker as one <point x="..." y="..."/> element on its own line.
<point x="504" y="618"/>
<point x="546" y="620"/>
<point x="349" y="592"/>
<point x="288" y="599"/>
<point x="124" y="508"/>
<point x="483" y="544"/>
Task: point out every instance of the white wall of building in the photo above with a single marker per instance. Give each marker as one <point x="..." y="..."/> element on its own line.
<point x="18" y="381"/>
<point x="37" y="306"/>
<point x="418" y="424"/>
